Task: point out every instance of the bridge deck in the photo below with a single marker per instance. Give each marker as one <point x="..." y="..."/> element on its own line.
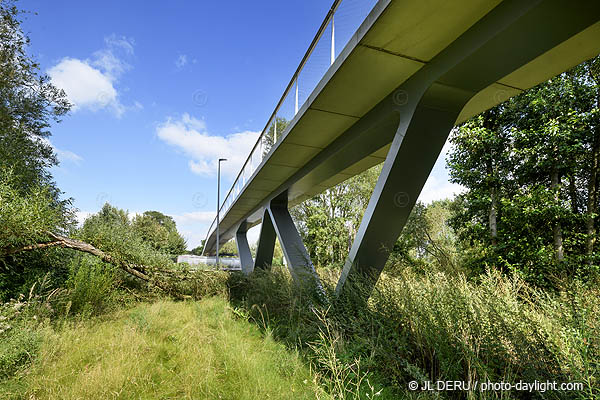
<point x="395" y="41"/>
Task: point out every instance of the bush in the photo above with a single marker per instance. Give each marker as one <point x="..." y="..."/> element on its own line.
<point x="433" y="326"/>
<point x="91" y="284"/>
<point x="19" y="336"/>
<point x="18" y="346"/>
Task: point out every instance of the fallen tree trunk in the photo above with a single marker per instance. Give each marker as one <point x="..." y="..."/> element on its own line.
<point x="139" y="271"/>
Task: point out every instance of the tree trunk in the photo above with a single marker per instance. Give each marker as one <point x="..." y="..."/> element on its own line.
<point x="592" y="200"/>
<point x="573" y="195"/>
<point x="556" y="229"/>
<point x="492" y="174"/>
<point x="494" y="216"/>
<point x="493" y="213"/>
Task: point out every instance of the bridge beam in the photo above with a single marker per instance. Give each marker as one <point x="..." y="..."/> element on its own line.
<point x="298" y="260"/>
<point x="241" y="240"/>
<point x="277" y="223"/>
<point x="428" y="104"/>
<point x="266" y="242"/>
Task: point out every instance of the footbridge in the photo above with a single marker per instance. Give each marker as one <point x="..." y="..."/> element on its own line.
<point x="394" y="79"/>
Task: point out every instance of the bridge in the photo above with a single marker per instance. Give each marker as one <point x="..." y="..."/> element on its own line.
<point x="394" y="85"/>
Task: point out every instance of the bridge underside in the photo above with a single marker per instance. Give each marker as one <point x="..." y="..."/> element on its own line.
<point x="482" y="57"/>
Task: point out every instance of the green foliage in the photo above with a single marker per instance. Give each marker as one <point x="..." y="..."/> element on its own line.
<point x="160" y="231"/>
<point x="197" y="251"/>
<point x="433" y="326"/>
<point x="28" y="104"/>
<point x="229" y="248"/>
<point x="427" y="241"/>
<point x="26" y="216"/>
<point x="91" y="285"/>
<point x="329" y="221"/>
<point x="531" y="167"/>
<point x="197" y="283"/>
<point x="274" y="132"/>
<point x="111" y="231"/>
<point x="17" y="348"/>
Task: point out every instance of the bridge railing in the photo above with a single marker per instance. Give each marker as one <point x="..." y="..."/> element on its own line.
<point x="341" y="22"/>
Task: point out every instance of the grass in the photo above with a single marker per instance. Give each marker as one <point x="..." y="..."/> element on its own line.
<point x="164" y="350"/>
<point x="434" y="327"/>
<point x="262" y="337"/>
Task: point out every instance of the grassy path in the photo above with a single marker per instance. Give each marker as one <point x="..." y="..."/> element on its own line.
<point x="165" y="350"/>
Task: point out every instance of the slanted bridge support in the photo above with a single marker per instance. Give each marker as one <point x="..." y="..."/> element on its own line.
<point x="419" y="115"/>
<point x="277" y="223"/>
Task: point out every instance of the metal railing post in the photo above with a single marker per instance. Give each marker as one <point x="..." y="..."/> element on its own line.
<point x="296" y="104"/>
<point x="332" y="39"/>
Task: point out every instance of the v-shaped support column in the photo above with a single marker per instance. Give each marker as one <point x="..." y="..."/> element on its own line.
<point x="511" y="35"/>
<point x="277" y="223"/>
<point x="298" y="260"/>
<point x="241" y="239"/>
<point x="266" y="242"/>
<point x="414" y="150"/>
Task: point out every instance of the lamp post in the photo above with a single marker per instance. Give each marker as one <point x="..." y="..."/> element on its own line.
<point x="218" y="205"/>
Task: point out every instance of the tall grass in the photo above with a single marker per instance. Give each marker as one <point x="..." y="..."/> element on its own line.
<point x="185" y="350"/>
<point x="416" y="326"/>
<point x="435" y="326"/>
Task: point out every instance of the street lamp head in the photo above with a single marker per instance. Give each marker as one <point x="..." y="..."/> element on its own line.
<point x="222" y="159"/>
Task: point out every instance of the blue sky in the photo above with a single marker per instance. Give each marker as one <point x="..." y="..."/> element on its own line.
<point x="162" y="89"/>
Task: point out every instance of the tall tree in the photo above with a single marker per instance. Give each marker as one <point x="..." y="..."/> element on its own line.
<point x="480" y="161"/>
<point x="160" y="231"/>
<point x="329" y="221"/>
<point x="531" y="166"/>
<point x="29" y="103"/>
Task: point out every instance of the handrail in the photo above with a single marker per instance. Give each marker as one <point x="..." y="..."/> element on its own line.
<point x="273" y="118"/>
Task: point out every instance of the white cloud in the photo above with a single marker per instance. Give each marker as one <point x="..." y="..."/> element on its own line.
<point x="66" y="155"/>
<point x="190" y="136"/>
<point x="193" y="226"/>
<point x="201" y="217"/>
<point x="181" y="61"/>
<point x="85" y="86"/>
<point x="90" y="83"/>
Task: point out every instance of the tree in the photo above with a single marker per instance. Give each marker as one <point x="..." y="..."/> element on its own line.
<point x="531" y="169"/>
<point x="228" y="249"/>
<point x="480" y="161"/>
<point x="329" y="221"/>
<point x="28" y="104"/>
<point x="30" y="202"/>
<point x="274" y="133"/>
<point x="198" y="250"/>
<point x="160" y="231"/>
<point x="427" y="240"/>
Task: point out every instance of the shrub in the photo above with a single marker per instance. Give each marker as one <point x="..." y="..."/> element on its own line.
<point x="18" y="346"/>
<point x="433" y="326"/>
<point x="91" y="284"/>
